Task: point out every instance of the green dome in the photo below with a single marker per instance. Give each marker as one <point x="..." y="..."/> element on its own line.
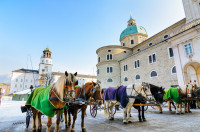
<point x="132" y="30"/>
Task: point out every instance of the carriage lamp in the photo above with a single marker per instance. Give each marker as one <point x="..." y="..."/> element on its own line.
<point x="31" y="87"/>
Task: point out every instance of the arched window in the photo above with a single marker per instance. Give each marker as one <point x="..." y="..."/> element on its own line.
<point x="99" y="59"/>
<point x="154" y="74"/>
<point x="174" y="70"/>
<point x="109" y="80"/>
<point x="125" y="79"/>
<point x="109" y="57"/>
<point x="150" y="44"/>
<point x="137" y="77"/>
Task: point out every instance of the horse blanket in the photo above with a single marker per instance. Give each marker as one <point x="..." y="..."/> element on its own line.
<point x="119" y="94"/>
<point x="39" y="99"/>
<point x="172" y="93"/>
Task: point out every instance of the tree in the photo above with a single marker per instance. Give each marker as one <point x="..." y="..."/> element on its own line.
<point x="49" y="79"/>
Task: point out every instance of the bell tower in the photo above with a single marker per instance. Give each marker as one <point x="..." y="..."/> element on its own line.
<point x="45" y="62"/>
<point x="131" y="21"/>
<point x="192" y="10"/>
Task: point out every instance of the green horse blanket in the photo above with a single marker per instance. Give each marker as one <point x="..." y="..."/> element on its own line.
<point x="172" y="93"/>
<point x="39" y="99"/>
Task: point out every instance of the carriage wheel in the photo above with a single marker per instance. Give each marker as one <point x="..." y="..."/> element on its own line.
<point x="61" y="117"/>
<point x="113" y="109"/>
<point x="145" y="108"/>
<point x="93" y="110"/>
<point x="28" y="117"/>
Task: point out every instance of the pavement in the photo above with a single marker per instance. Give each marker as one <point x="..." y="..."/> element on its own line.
<point x="156" y="122"/>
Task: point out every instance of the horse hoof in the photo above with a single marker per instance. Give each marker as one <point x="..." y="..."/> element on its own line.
<point x="186" y="112"/>
<point x="39" y="130"/>
<point x="125" y="123"/>
<point x="178" y="113"/>
<point x="182" y="113"/>
<point x="129" y="121"/>
<point x="190" y="111"/>
<point x="72" y="131"/>
<point x="144" y="120"/>
<point x="161" y="112"/>
<point x="66" y="126"/>
<point x="140" y="120"/>
<point x="83" y="130"/>
<point x="34" y="130"/>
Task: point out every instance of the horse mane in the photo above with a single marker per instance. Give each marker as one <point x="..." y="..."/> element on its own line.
<point x="137" y="86"/>
<point x="59" y="86"/>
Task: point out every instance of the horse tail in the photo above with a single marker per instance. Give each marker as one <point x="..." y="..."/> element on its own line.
<point x="105" y="108"/>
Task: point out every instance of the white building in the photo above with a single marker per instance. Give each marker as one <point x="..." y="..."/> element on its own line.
<point x="170" y="57"/>
<point x="22" y="79"/>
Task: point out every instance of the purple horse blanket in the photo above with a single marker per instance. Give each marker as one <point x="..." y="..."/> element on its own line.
<point x="119" y="94"/>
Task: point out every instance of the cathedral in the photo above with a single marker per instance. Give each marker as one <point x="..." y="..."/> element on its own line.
<point x="170" y="57"/>
<point x="22" y="79"/>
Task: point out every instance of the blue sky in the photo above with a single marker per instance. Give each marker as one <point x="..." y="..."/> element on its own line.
<point x="74" y="29"/>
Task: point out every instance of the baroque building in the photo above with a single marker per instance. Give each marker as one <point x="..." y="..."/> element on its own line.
<point x="22" y="79"/>
<point x="170" y="57"/>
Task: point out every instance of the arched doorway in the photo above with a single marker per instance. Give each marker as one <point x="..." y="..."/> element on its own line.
<point x="192" y="72"/>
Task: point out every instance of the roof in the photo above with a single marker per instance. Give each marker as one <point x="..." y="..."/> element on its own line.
<point x="113" y="46"/>
<point x="47" y="49"/>
<point x="26" y="71"/>
<point x="79" y="75"/>
<point x="132" y="30"/>
<point x="27" y="91"/>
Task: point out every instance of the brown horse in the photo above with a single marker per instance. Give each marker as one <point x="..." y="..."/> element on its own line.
<point x="84" y="93"/>
<point x="59" y="93"/>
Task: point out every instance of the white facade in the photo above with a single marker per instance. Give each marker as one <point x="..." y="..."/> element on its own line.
<point x="22" y="79"/>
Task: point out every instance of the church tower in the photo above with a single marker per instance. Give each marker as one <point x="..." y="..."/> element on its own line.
<point x="192" y="10"/>
<point x="45" y="62"/>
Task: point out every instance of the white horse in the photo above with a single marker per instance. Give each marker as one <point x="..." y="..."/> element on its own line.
<point x="132" y="90"/>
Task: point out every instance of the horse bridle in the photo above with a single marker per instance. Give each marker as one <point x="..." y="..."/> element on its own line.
<point x="94" y="89"/>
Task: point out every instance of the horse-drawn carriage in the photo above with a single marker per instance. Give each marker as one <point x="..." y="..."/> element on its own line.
<point x="63" y="97"/>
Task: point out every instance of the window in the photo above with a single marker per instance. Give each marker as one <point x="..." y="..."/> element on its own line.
<point x="150" y="44"/>
<point x="123" y="44"/>
<point x="97" y="71"/>
<point x="26" y="80"/>
<point x="16" y="80"/>
<point x="174" y="70"/>
<point x="166" y="36"/>
<point x="21" y="80"/>
<point x="31" y="81"/>
<point x="154" y="74"/>
<point x="25" y="86"/>
<point x="188" y="49"/>
<point x="138" y="50"/>
<point x="125" y="79"/>
<point x="20" y="86"/>
<point x="109" y="69"/>
<point x="124" y="51"/>
<point x="42" y="61"/>
<point x="152" y="58"/>
<point x="15" y="85"/>
<point x="109" y="50"/>
<point x="109" y="80"/>
<point x="125" y="67"/>
<point x="137" y="63"/>
<point x="171" y="53"/>
<point x="109" y="57"/>
<point x="137" y="77"/>
<point x="99" y="59"/>
<point x="132" y="41"/>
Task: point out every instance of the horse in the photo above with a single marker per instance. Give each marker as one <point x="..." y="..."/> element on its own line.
<point x="125" y="95"/>
<point x="50" y="100"/>
<point x="178" y="95"/>
<point x="195" y="94"/>
<point x="156" y="92"/>
<point x="84" y="93"/>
